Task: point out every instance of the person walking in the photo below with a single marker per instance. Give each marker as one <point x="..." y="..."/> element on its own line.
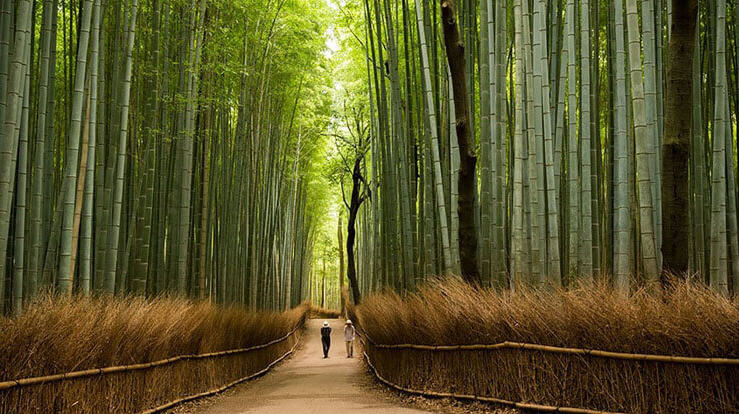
<point x="326" y="338"/>
<point x="349" y="335"/>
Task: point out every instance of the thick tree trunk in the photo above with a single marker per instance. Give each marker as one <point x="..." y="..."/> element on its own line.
<point x="468" y="159"/>
<point x="355" y="202"/>
<point x="676" y="146"/>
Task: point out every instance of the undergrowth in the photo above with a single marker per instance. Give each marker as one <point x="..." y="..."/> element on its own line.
<point x="63" y="334"/>
<point x="684" y="319"/>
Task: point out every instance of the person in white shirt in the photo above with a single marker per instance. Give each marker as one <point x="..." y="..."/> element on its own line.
<point x="349" y="336"/>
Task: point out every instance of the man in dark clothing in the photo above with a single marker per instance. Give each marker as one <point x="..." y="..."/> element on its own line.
<point x="326" y="338"/>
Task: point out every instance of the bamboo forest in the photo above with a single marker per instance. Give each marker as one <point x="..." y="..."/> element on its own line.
<point x="498" y="206"/>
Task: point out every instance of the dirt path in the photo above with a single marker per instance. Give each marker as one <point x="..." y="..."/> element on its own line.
<point x="307" y="383"/>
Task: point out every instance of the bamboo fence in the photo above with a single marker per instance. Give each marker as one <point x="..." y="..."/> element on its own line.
<point x="544" y="378"/>
<point x="5" y="385"/>
<point x="561" y="350"/>
<point x="219" y="390"/>
<point x="471" y="397"/>
<point x="136" y="387"/>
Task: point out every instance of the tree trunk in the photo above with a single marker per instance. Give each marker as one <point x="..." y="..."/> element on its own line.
<point x="355" y="202"/>
<point x="467" y="157"/>
<point x="678" y="128"/>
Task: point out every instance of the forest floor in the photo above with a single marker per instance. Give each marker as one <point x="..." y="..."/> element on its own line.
<point x="308" y="383"/>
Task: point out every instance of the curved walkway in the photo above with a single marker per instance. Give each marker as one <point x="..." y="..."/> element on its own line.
<point x="308" y="384"/>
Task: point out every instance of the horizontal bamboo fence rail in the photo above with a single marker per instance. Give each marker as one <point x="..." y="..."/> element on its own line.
<point x="133" y="367"/>
<point x="469" y="397"/>
<point x="219" y="390"/>
<point x="562" y="350"/>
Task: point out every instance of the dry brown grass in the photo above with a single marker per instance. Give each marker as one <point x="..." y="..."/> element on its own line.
<point x="686" y="320"/>
<point x="58" y="335"/>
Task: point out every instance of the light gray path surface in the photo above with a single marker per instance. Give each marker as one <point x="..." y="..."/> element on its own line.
<point x="308" y="384"/>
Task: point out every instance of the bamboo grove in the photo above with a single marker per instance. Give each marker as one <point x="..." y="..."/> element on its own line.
<point x="156" y="146"/>
<point x="569" y="120"/>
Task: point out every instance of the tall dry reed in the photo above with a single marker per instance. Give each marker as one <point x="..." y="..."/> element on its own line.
<point x="686" y="319"/>
<point x="58" y="335"/>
